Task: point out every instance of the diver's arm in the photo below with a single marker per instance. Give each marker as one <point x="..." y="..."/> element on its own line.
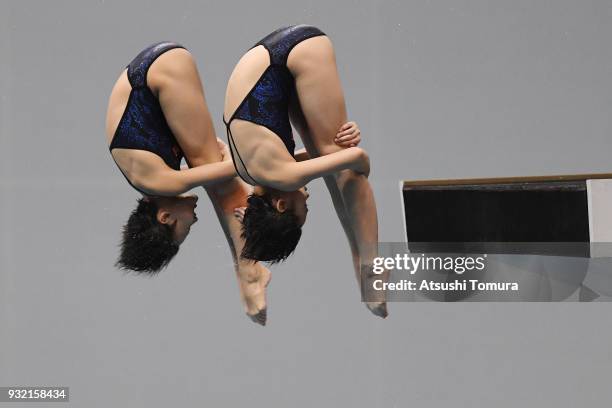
<point x="293" y="175"/>
<point x="168" y="182"/>
<point x="207" y="174"/>
<point x="349" y="135"/>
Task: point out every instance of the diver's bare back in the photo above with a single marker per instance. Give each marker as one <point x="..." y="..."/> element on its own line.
<point x="259" y="148"/>
<point x="259" y="93"/>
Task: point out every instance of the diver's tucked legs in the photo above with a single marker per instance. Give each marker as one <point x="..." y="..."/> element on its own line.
<point x="174" y="76"/>
<point x="299" y="122"/>
<point x="323" y="109"/>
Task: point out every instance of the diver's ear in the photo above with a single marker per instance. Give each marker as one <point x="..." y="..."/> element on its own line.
<point x="280" y="204"/>
<point x="164" y="217"/>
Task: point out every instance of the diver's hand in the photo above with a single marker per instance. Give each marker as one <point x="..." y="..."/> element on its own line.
<point x="226" y="155"/>
<point x="239" y="213"/>
<point x="348" y="135"/>
<point x="361" y="163"/>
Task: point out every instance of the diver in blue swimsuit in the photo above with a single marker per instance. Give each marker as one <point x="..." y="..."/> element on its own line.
<point x="148" y="154"/>
<point x="290" y="78"/>
<point x="143" y="125"/>
<point x="157" y="115"/>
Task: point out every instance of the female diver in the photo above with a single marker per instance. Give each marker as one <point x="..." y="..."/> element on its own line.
<point x="290" y="78"/>
<point x="157" y="114"/>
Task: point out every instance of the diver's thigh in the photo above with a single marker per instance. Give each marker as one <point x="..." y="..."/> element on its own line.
<point x="298" y="121"/>
<point x="319" y="92"/>
<point x="180" y="91"/>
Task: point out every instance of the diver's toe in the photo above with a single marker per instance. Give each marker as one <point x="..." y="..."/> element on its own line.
<point x="260" y="317"/>
<point x="380" y="310"/>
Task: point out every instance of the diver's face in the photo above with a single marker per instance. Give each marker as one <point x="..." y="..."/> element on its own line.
<point x="295" y="201"/>
<point x="179" y="213"/>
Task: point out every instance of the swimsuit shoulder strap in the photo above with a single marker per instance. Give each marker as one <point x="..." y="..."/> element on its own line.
<point x="232" y="146"/>
<point x="138" y="68"/>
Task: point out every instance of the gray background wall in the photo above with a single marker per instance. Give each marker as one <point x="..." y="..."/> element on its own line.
<point x="441" y="89"/>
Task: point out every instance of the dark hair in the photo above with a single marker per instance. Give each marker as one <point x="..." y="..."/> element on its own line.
<point x="269" y="235"/>
<point x="147" y="245"/>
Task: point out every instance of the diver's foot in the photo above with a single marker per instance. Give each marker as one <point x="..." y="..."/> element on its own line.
<point x="253" y="281"/>
<point x="260" y="317"/>
<point x="378" y="308"/>
<point x="374" y="299"/>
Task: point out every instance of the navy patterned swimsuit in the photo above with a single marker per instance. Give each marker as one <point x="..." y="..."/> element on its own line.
<point x="143" y="125"/>
<point x="267" y="104"/>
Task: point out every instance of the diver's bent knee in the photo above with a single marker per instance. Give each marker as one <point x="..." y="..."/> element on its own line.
<point x="345" y="177"/>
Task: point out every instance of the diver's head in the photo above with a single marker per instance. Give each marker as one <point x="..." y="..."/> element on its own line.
<point x="272" y="224"/>
<point x="154" y="232"/>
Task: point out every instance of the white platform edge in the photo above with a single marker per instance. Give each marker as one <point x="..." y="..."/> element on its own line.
<point x="401" y="189"/>
<point x="599" y="196"/>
